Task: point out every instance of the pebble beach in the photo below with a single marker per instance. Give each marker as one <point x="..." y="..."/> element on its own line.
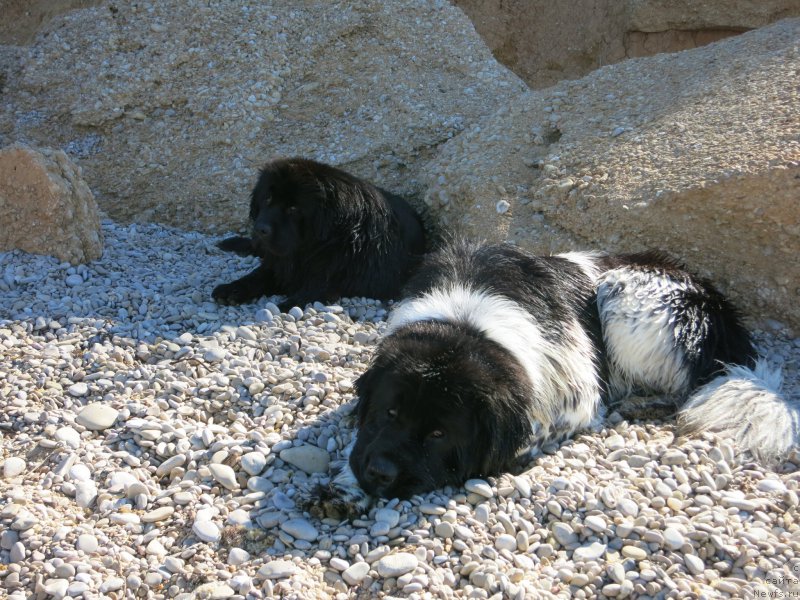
<point x="154" y="444"/>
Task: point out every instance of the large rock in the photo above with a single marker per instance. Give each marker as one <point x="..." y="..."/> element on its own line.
<point x="171" y="107"/>
<point x="46" y="207"/>
<point x="544" y="41"/>
<point x="695" y="152"/>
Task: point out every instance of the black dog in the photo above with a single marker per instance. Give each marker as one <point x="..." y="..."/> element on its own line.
<point x="322" y="234"/>
<point x="496" y="352"/>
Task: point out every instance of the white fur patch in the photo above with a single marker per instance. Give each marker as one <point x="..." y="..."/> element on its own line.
<point x="638" y="330"/>
<point x="747" y="406"/>
<point x="563" y="376"/>
<point x="587" y="261"/>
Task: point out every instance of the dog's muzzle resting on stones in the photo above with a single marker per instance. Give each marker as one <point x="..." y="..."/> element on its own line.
<point x="494" y="352"/>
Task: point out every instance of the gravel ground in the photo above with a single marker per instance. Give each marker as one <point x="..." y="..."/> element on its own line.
<point x="157" y="445"/>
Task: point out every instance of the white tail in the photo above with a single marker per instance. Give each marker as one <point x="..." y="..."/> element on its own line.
<point x="746" y="405"/>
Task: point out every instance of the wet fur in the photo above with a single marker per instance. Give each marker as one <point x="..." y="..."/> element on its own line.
<point x="323" y="234"/>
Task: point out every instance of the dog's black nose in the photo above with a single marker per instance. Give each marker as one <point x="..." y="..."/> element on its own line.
<point x="381" y="472"/>
<point x="264" y="229"/>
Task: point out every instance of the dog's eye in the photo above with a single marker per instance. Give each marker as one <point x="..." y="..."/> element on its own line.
<point x="392" y="413"/>
<point x="436" y="434"/>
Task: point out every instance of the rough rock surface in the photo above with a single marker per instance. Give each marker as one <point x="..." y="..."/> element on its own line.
<point x="171" y="107"/>
<point x="696" y="152"/>
<point x="46" y="206"/>
<point x="545" y="42"/>
<point x="22" y="19"/>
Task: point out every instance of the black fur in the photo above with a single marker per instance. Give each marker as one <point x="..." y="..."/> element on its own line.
<point x="323" y="234"/>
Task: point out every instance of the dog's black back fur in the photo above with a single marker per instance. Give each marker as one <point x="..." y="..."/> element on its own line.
<point x="322" y="234"/>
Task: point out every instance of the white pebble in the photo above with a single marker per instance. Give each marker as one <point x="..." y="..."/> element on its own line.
<point x="97" y="416"/>
<point x="206" y="530"/>
<point x="300" y="529"/>
<point x="13" y="466"/>
<point x="394" y="565"/>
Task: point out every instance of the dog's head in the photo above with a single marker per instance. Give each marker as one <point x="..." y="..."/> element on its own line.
<point x="438" y="405"/>
<point x="299" y="203"/>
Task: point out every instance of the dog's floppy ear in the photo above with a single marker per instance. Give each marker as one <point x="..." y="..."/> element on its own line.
<point x="364" y="385"/>
<point x="503" y="430"/>
<point x="261" y="191"/>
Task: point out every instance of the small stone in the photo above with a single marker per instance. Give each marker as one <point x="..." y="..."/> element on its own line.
<point x="339" y="564"/>
<point x="615" y="442"/>
<point x="158" y="514"/>
<point x="225" y="475"/>
<point x="73" y="280"/>
<point x="356" y="573"/>
<point x="395" y="565"/>
<point x="172" y="462"/>
<point x="214" y="354"/>
<point x="97" y="416"/>
<point x="480" y="487"/>
<point x="505" y="542"/>
<point x="112" y="584"/>
<point x="771" y="485"/>
<point x="579" y="579"/>
<point x="64" y="571"/>
<point x="277" y="569"/>
<point x="13" y="466"/>
<point x="634" y="552"/>
<point x="617" y="572"/>
<point x="300" y="529"/>
<point x="238" y="556"/>
<point x="173" y="564"/>
<point x="85" y="493"/>
<point x="78" y="389"/>
<point x="156" y="548"/>
<point x="591" y="552"/>
<point x="628" y="507"/>
<point x="68" y="436"/>
<point x="296" y="312"/>
<point x="564" y="534"/>
<point x="444" y="529"/>
<point x="595" y="523"/>
<point x="694" y="563"/>
<point x="17" y="552"/>
<point x="206" y="531"/>
<point x="56" y="587"/>
<point x="673" y="538"/>
<point x="253" y="463"/>
<point x="214" y="590"/>
<point x="674" y="457"/>
<point x="306" y="457"/>
<point x="387" y="515"/>
<point x="87" y="543"/>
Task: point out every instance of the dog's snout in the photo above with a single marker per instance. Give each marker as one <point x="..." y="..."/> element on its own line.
<point x="263" y="228"/>
<point x="381" y="471"/>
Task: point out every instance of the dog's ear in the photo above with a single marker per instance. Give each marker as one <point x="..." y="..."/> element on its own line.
<point x="260" y="193"/>
<point x="364" y="385"/>
<point x="502" y="431"/>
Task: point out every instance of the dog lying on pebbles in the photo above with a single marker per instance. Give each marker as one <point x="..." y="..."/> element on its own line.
<point x="495" y="352"/>
<point x="323" y="234"/>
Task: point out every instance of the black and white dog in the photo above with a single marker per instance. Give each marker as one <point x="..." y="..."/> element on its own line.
<point x="495" y="352"/>
<point x="321" y="234"/>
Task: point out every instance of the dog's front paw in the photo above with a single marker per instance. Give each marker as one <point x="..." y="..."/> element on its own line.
<point x="242" y="246"/>
<point x="335" y="502"/>
<point x="231" y="294"/>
